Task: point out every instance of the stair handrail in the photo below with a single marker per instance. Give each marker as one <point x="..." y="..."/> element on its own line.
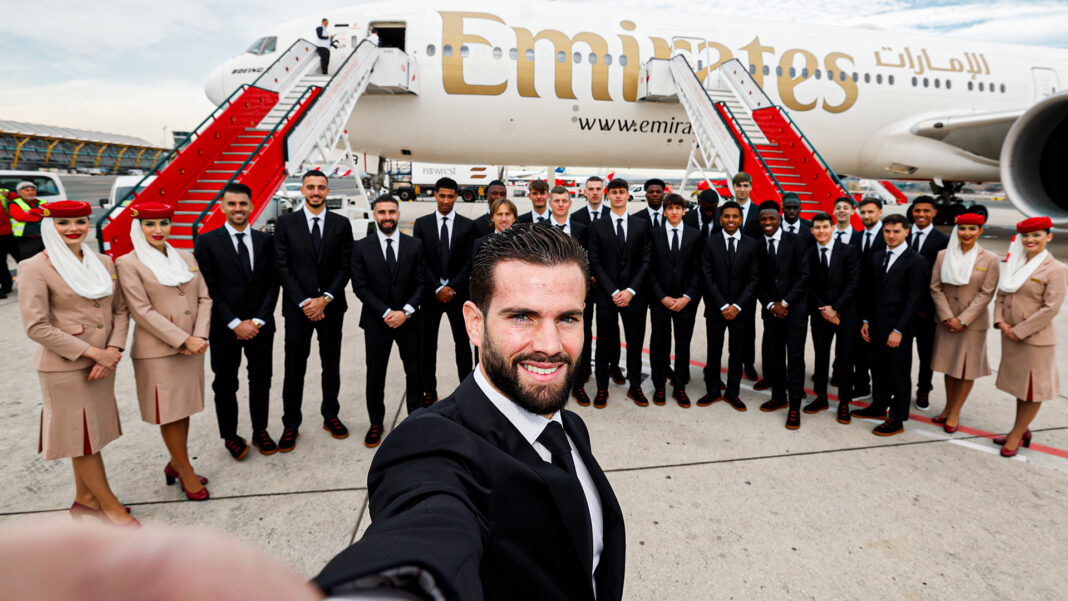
<point x="255" y="153"/>
<point x="743" y="85"/>
<point x="158" y="166"/>
<point x="286" y="68"/>
<point x="749" y="143"/>
<point x="812" y="149"/>
<point x="339" y="88"/>
<point x="680" y="67"/>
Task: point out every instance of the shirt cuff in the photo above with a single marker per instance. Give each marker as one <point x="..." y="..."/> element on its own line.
<point x="233" y="323"/>
<point x="409" y="309"/>
<point x="687" y="296"/>
<point x="438" y="289"/>
<point x="259" y="322"/>
<point x="897" y="331"/>
<point x="736" y="307"/>
<point x="328" y="296"/>
<point x="305" y="301"/>
<point x="724" y="307"/>
<point x="631" y="291"/>
<point x="386" y="313"/>
<point x="615" y="292"/>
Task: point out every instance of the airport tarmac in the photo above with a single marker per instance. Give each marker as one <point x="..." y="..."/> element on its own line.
<point x="718" y="504"/>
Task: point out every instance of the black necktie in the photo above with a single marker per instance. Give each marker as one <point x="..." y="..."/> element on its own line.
<point x="656" y="219"/>
<point x="554" y="439"/>
<point x="595" y="215"/>
<point x="916" y="242"/>
<point x="391" y="257"/>
<point x="823" y="259"/>
<point x="867" y="241"/>
<point x="242" y="254"/>
<point x="675" y="244"/>
<point x="838" y="236"/>
<point x="730" y="250"/>
<point x="316" y="235"/>
<point x="704" y="229"/>
<point x="886" y="261"/>
<point x="771" y="250"/>
<point x="541" y="219"/>
<point x="443" y="240"/>
<point x="561" y="226"/>
<point x="621" y="237"/>
<point x="792" y="229"/>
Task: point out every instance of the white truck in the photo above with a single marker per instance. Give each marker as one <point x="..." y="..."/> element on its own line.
<point x="472" y="180"/>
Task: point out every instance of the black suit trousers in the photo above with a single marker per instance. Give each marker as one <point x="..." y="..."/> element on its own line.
<point x="324" y="58"/>
<point x="608" y="315"/>
<point x="299" y="330"/>
<point x="925" y="334"/>
<point x="716" y="327"/>
<point x="378" y="342"/>
<point x="843" y="336"/>
<point x="861" y="369"/>
<point x="891" y="374"/>
<point x="784" y="343"/>
<point x="432" y="310"/>
<point x="226" y="352"/>
<point x="662" y="321"/>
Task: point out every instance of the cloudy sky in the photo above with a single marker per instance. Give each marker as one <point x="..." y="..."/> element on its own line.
<point x="138" y="67"/>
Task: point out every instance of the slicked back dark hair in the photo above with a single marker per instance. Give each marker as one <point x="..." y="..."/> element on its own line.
<point x="313" y="173"/>
<point x="526" y="243"/>
<point x="384" y="198"/>
<point x="895" y="218"/>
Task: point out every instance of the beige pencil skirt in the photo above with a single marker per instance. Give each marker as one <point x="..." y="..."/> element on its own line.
<point x="170" y="388"/>
<point x="1027" y="371"/>
<point x="960" y="355"/>
<point x="78" y="417"/>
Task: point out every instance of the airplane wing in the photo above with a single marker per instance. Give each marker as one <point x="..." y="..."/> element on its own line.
<point x="978" y="133"/>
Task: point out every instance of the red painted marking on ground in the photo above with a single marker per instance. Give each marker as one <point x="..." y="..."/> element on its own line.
<point x="1062" y="453"/>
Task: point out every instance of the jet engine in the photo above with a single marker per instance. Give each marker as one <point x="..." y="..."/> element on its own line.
<point x="1034" y="160"/>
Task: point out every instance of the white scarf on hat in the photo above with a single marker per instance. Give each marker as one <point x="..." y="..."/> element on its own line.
<point x="87" y="277"/>
<point x="957" y="266"/>
<point x="1018" y="269"/>
<point x="170" y="269"/>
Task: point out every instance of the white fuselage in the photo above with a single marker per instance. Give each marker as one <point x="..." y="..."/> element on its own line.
<point x="481" y="99"/>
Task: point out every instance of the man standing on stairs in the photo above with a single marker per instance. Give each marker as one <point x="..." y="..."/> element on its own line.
<point x="312" y="249"/>
<point x="323" y="41"/>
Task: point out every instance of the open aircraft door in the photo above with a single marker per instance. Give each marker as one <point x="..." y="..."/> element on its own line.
<point x="1046" y="82"/>
<point x="694" y="50"/>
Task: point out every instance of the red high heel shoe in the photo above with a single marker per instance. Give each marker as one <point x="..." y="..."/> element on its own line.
<point x="1025" y="441"/>
<point x="170" y="474"/>
<point x="201" y="495"/>
<point x="948" y="429"/>
<point x="938" y="419"/>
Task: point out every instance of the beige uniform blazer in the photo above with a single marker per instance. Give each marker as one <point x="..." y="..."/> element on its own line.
<point x="64" y="323"/>
<point x="1031" y="309"/>
<point x="968" y="303"/>
<point x="165" y="315"/>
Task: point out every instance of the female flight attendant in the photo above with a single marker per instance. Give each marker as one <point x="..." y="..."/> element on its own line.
<point x="963" y="281"/>
<point x="168" y="299"/>
<point x="72" y="308"/>
<point x="1030" y="294"/>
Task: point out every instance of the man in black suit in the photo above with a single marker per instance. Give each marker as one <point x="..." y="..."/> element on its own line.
<point x="792" y="223"/>
<point x="868" y="241"/>
<point x="833" y="285"/>
<point x="898" y="278"/>
<point x="238" y="265"/>
<point x="496" y="190"/>
<point x="389" y="277"/>
<point x="493" y="493"/>
<point x="654" y="200"/>
<point x="447" y="240"/>
<point x="675" y="292"/>
<point x="927" y="241"/>
<point x="783" y="295"/>
<point x="538" y="193"/>
<point x="742" y="184"/>
<point x="619" y="256"/>
<point x="703" y="217"/>
<point x="586" y="215"/>
<point x="731" y="273"/>
<point x="312" y="250"/>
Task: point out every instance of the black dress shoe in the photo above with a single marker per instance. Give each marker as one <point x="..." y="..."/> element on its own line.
<point x="636" y="395"/>
<point x="750" y="373"/>
<point x="373" y="437"/>
<point x="617" y="375"/>
<point x="923" y="400"/>
<point x="762" y="384"/>
<point x="708" y="399"/>
<point x="262" y="441"/>
<point x="735" y="403"/>
<point x="870" y="412"/>
<point x="288" y="442"/>
<point x="238" y="447"/>
<point x="820" y="404"/>
<point x="336" y="428"/>
<point x="581" y="397"/>
<point x="843" y="413"/>
<point x="889" y="428"/>
<point x="429" y="399"/>
<point x="793" y="420"/>
<point x="659" y="396"/>
<point x="680" y="397"/>
<point x="600" y="401"/>
<point x="773" y="405"/>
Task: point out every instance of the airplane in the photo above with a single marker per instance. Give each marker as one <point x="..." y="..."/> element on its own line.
<point x="557" y="84"/>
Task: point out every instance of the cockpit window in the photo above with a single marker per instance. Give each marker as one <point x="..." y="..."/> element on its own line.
<point x="265" y="45"/>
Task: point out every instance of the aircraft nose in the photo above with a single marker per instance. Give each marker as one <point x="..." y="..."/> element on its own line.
<point x="215" y="86"/>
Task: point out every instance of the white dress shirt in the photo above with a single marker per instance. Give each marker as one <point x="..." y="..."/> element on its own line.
<point x="557" y="224"/>
<point x="626" y="235"/>
<point x="597" y="213"/>
<point x="656" y="215"/>
<point x="251" y="259"/>
<point x="926" y="233"/>
<point x="871" y="233"/>
<point x="395" y="237"/>
<point x="793" y="228"/>
<point x="737" y="245"/>
<point x="745" y="211"/>
<point x="535" y="215"/>
<point x="530" y="426"/>
<point x="842" y="235"/>
<point x="830" y="250"/>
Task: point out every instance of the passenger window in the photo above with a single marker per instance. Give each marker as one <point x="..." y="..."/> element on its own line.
<point x="446" y="50"/>
<point x="926" y="82"/>
<point x="576" y="58"/>
<point x="529" y="54"/>
<point x="464" y="50"/>
<point x="430" y="50"/>
<point x="752" y="69"/>
<point x="804" y="73"/>
<point x="981" y="86"/>
<point x="561" y="57"/>
<point x="830" y="74"/>
<point x="971" y="86"/>
<point x="778" y="71"/>
<point x="608" y="60"/>
<point x="1002" y="88"/>
<point x="593" y="59"/>
<point x="513" y="54"/>
<point x="767" y="70"/>
<point x="890" y="79"/>
<point x="622" y="60"/>
<point x="938" y="83"/>
<point x="497" y="53"/>
<point x="818" y="74"/>
<point x="949" y="84"/>
<point x="879" y="78"/>
<point x="915" y="82"/>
